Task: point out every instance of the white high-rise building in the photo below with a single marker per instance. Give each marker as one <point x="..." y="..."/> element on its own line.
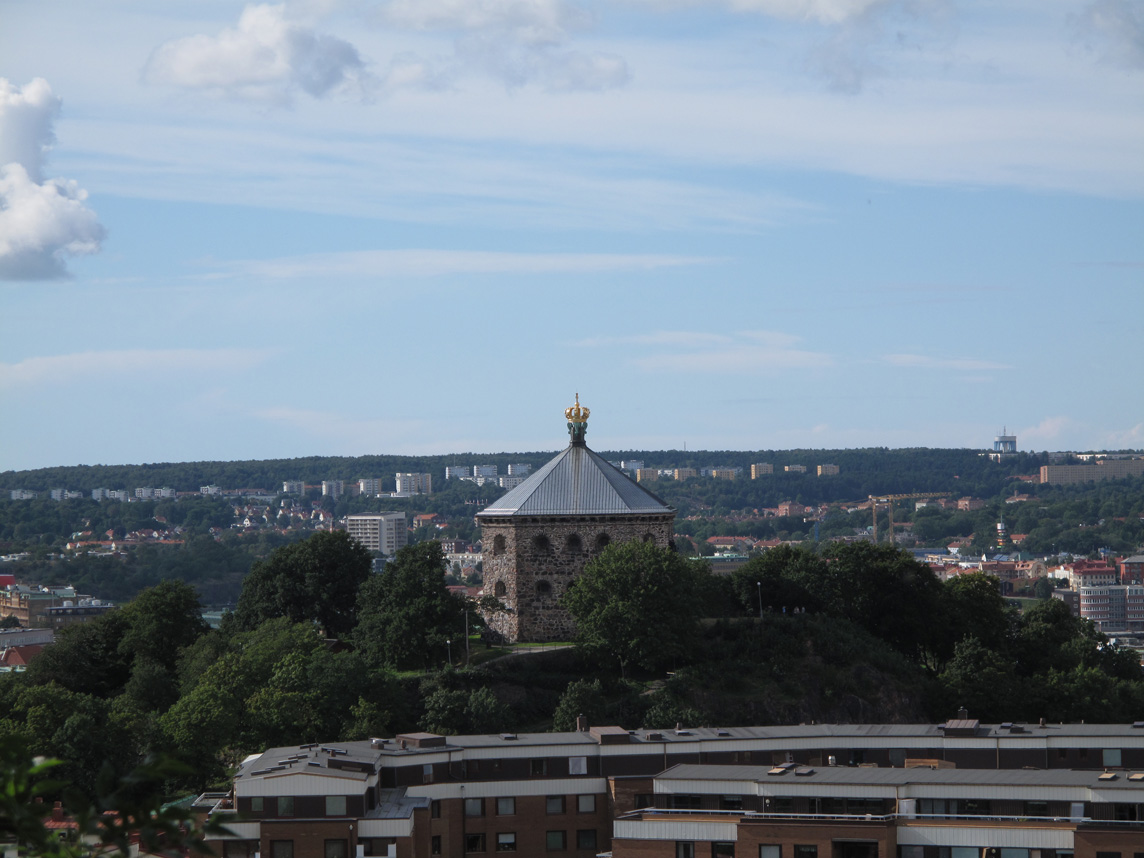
<point x="457" y="472"/>
<point x="484" y="470"/>
<point x="294" y="487"/>
<point x="369" y="487"/>
<point x="384" y="532"/>
<point x="333" y="488"/>
<point x="414" y="484"/>
<point x="520" y="470"/>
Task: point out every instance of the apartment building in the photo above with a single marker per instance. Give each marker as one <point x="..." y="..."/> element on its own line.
<point x="369" y="487"/>
<point x="827" y="470"/>
<point x="761" y="469"/>
<point x="333" y="488"/>
<point x="685" y="473"/>
<point x="1102" y="469"/>
<point x="795" y="469"/>
<point x="414" y="484"/>
<point x="384" y="532"/>
<point x="849" y="791"/>
<point x="294" y="487"/>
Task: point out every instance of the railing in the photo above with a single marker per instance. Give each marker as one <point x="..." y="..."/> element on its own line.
<point x="748" y="815"/>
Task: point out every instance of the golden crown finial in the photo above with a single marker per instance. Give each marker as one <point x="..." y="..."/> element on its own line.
<point x="577" y="413"/>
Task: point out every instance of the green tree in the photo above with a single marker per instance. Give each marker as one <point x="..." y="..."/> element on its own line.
<point x="316" y="579"/>
<point x="162" y="621"/>
<point x="406" y="613"/>
<point x="638" y="605"/>
<point x="581" y="697"/>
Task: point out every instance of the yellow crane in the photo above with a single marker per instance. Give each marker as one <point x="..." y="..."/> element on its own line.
<point x="888" y="500"/>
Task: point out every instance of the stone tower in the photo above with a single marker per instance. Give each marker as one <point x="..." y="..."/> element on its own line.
<point x="537" y="538"/>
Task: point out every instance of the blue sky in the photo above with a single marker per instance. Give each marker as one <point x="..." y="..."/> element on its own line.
<point x="236" y="231"/>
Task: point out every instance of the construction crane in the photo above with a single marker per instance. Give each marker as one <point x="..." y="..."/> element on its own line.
<point x="888" y="500"/>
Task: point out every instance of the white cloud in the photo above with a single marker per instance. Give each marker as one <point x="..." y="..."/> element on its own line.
<point x="1049" y="429"/>
<point x="1131" y="438"/>
<point x="107" y="365"/>
<point x="41" y="221"/>
<point x="266" y="57"/>
<point x="745" y="352"/>
<point x="434" y="263"/>
<point x="822" y="11"/>
<point x="531" y="21"/>
<point x="926" y="362"/>
<point x="1114" y="31"/>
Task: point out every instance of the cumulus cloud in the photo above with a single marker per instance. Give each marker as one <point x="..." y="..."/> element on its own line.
<point x="41" y="221"/>
<point x="266" y="57"/>
<point x="1114" y="31"/>
<point x="516" y="42"/>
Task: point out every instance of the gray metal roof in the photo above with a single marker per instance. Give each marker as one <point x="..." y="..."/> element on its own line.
<point x="577" y="482"/>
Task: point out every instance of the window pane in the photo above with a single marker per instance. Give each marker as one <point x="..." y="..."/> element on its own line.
<point x="285" y="805"/>
<point x="555" y="841"/>
<point x="586" y="838"/>
<point x="474" y="807"/>
<point x="539" y="767"/>
<point x="282" y="849"/>
<point x="577" y="765"/>
<point x="506" y="806"/>
<point x="335" y="805"/>
<point x="770" y="851"/>
<point x="586" y="803"/>
<point x="722" y="850"/>
<point x="337" y="849"/>
<point x="256" y="804"/>
<point x="1111" y="757"/>
<point x="554" y="804"/>
<point x="474" y="843"/>
<point x="506" y="841"/>
<point x="435" y="809"/>
<point x="805" y="852"/>
<point x="435" y="845"/>
<point x="684" y="849"/>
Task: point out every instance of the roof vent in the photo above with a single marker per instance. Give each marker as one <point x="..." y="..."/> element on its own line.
<point x="315" y="763"/>
<point x="1136" y="776"/>
<point x="1107" y="776"/>
<point x="683" y="732"/>
<point x="1006" y="725"/>
<point x="508" y="737"/>
<point x="1139" y="725"/>
<point x="654" y="737"/>
<point x="803" y="772"/>
<point x="722" y="732"/>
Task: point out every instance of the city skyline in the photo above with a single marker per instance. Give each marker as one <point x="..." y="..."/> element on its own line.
<point x="263" y="231"/>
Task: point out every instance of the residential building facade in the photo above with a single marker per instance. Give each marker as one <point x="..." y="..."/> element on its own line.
<point x="384" y="532"/>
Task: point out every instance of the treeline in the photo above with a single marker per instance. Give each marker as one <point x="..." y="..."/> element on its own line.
<point x="856" y="633"/>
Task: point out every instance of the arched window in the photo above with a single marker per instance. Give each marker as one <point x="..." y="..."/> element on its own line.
<point x="543" y="589"/>
<point x="541" y="544"/>
<point x="572" y="544"/>
<point x="498" y="544"/>
<point x="602" y="541"/>
<point x="647" y="537"/>
<point x="500" y="590"/>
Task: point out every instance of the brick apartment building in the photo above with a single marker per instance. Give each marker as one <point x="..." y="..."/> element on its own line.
<point x="848" y="791"/>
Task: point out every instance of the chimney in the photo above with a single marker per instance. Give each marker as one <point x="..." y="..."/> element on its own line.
<point x="57" y="812"/>
<point x="581" y="723"/>
<point x="963" y="714"/>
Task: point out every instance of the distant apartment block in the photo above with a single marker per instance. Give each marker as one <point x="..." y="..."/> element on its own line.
<point x="369" y="487"/>
<point x="119" y="495"/>
<point x="827" y="470"/>
<point x="511" y="482"/>
<point x="384" y="532"/>
<point x="647" y="475"/>
<point x="458" y="472"/>
<point x="21" y="494"/>
<point x="1114" y="607"/>
<point x="414" y="484"/>
<point x="722" y="473"/>
<point x="484" y="470"/>
<point x="761" y="469"/>
<point x="144" y="493"/>
<point x="1102" y="469"/>
<point x="64" y="494"/>
<point x="210" y="490"/>
<point x="795" y="469"/>
<point x="294" y="487"/>
<point x="1132" y="569"/>
<point x="333" y="488"/>
<point x="788" y="508"/>
<point x="632" y="465"/>
<point x="685" y="473"/>
<point x="521" y="470"/>
<point x="968" y="504"/>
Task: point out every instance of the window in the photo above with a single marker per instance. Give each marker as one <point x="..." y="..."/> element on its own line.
<point x="645" y="801"/>
<point x="500" y="590"/>
<point x="335" y="805"/>
<point x="541" y="544"/>
<point x="803" y="851"/>
<point x="731" y="802"/>
<point x="543" y="589"/>
<point x="554" y="804"/>
<point x="1110" y="757"/>
<point x="577" y="765"/>
<point x="498" y="544"/>
<point x="256" y="804"/>
<point x="586" y="838"/>
<point x="281" y="849"/>
<point x="557" y="841"/>
<point x="1107" y="855"/>
<point x="475" y="807"/>
<point x="427" y="773"/>
<point x="506" y="841"/>
<point x="285" y="805"/>
<point x="506" y="806"/>
<point x="1036" y="808"/>
<point x="337" y="849"/>
<point x="539" y="768"/>
<point x="602" y="541"/>
<point x="686" y="802"/>
<point x="684" y="849"/>
<point x="474" y="843"/>
<point x="911" y="852"/>
<point x="435" y="845"/>
<point x="722" y="850"/>
<point x="573" y="545"/>
<point x="435" y="809"/>
<point x="767" y="850"/>
<point x="585" y="804"/>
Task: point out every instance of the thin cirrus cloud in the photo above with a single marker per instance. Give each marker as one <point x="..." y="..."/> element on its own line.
<point x="266" y="57"/>
<point x="1113" y="30"/>
<point x="39" y="372"/>
<point x="42" y="221"/>
<point x="745" y="352"/>
<point x="927" y="362"/>
<point x="435" y="263"/>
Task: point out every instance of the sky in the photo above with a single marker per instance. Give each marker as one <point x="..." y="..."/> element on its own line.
<point x="348" y="227"/>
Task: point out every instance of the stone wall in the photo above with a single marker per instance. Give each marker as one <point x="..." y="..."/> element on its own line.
<point x="529" y="561"/>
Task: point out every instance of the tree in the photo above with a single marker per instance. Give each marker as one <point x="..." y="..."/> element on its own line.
<point x="637" y="604"/>
<point x="406" y="613"/>
<point x="162" y="621"/>
<point x="776" y="577"/>
<point x="581" y="697"/>
<point x="316" y="579"/>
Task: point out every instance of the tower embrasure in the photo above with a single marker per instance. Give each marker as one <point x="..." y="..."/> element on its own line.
<point x="539" y="536"/>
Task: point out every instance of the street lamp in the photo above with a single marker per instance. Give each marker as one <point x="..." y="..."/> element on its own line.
<point x="449" y="644"/>
<point x="760" y="586"/>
